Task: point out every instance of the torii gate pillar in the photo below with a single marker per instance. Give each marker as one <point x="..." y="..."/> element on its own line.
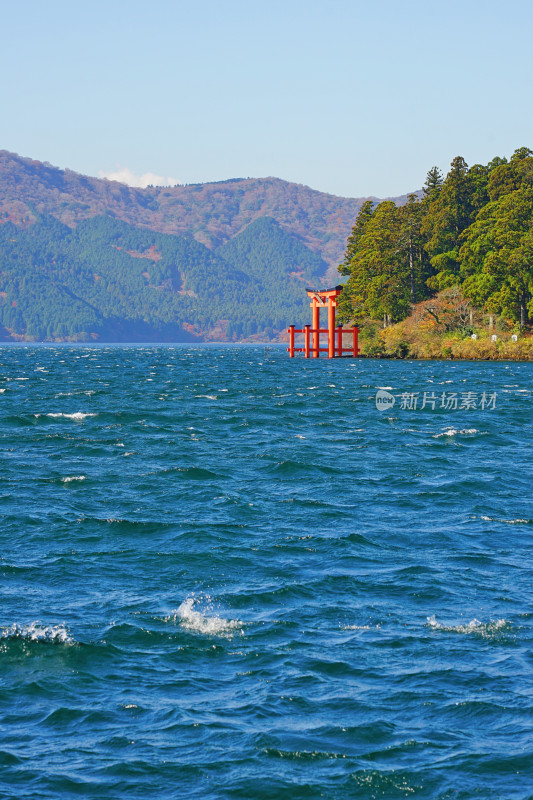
<point x="315" y="325"/>
<point x="324" y="298"/>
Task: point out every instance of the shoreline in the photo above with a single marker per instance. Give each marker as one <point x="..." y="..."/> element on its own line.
<point x="515" y="357"/>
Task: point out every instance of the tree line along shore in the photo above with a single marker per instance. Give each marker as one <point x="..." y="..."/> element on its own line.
<point x="449" y="274"/>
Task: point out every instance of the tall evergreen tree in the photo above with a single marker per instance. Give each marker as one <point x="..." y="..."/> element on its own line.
<point x="379" y="283"/>
<point x="365" y="214"/>
<point x="449" y="214"/>
<point x="506" y="177"/>
<point x="433" y="182"/>
<point x="497" y="256"/>
<point x="478" y="176"/>
<point x="411" y="246"/>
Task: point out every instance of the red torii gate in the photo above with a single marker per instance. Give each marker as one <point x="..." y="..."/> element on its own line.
<point x="323" y="298"/>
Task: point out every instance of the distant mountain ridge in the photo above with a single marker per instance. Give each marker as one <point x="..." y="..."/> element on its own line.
<point x="213" y="213"/>
<point x="86" y="259"/>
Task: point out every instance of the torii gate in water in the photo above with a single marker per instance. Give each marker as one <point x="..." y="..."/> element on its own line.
<point x="323" y="298"/>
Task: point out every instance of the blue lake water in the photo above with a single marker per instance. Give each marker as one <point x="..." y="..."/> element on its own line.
<point x="226" y="574"/>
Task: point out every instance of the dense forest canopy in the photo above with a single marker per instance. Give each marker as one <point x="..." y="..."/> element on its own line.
<point x="110" y="281"/>
<point x="472" y="229"/>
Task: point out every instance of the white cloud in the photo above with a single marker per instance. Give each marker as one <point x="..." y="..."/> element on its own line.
<point x="125" y="175"/>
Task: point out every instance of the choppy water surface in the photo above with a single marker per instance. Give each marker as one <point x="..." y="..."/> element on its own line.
<point x="226" y="574"/>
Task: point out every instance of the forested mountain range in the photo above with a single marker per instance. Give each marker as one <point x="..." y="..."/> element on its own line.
<point x="213" y="213"/>
<point x="89" y="259"/>
<point x="109" y="281"/>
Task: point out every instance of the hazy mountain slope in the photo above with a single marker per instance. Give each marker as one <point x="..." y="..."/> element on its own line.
<point x="212" y="213"/>
<point x="280" y="267"/>
<point x="83" y="258"/>
<point x="267" y="251"/>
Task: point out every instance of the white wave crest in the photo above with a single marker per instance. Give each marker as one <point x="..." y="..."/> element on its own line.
<point x="360" y="627"/>
<point x="507" y="521"/>
<point x="456" y="432"/>
<point x="484" y="629"/>
<point x="206" y="620"/>
<point x="70" y="478"/>
<point x="36" y="632"/>
<point x="77" y="416"/>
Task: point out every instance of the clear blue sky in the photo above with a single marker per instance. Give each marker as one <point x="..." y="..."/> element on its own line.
<point x="350" y="97"/>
